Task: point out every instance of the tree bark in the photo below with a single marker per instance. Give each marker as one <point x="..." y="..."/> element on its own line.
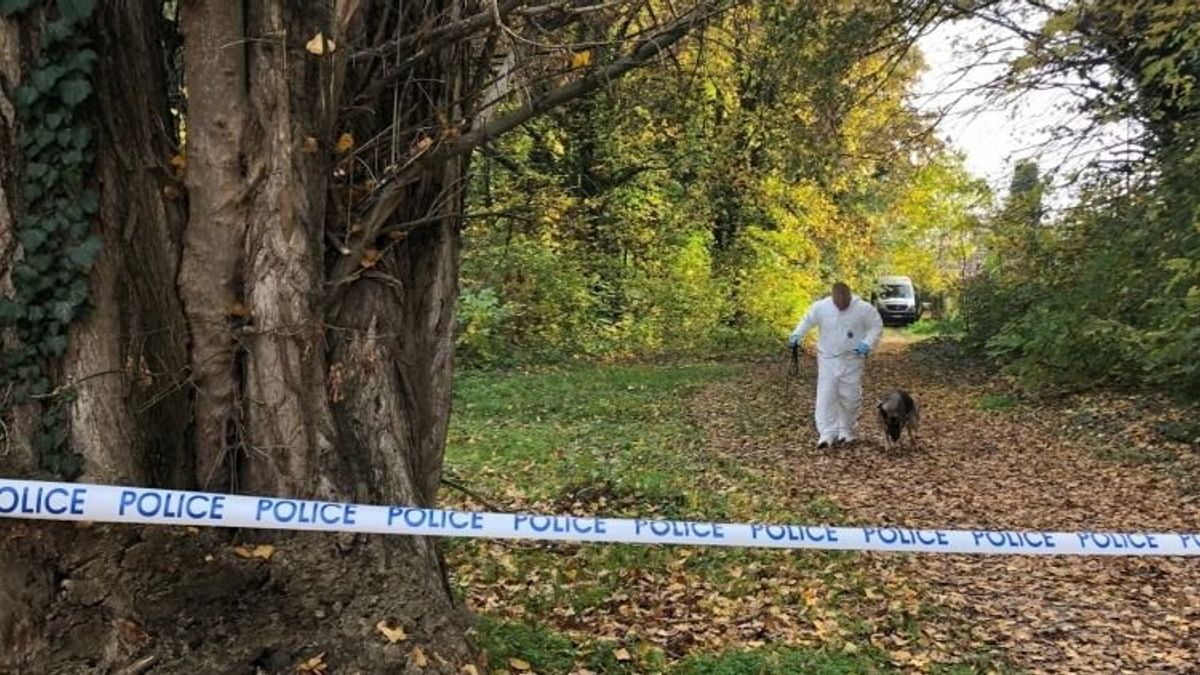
<point x="129" y="355"/>
<point x="218" y="180"/>
<point x="230" y="348"/>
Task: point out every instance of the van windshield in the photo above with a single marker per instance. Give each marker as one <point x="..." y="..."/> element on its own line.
<point x="896" y="291"/>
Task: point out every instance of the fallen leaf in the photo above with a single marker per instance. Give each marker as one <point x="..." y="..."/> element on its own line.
<point x="344" y="143"/>
<point x="393" y="634"/>
<point x="262" y="551"/>
<point x="470" y="669"/>
<point x="132" y="632"/>
<point x="314" y="665"/>
<point x="417" y="657"/>
<point x="581" y="59"/>
<point x="622" y="654"/>
<point x="518" y="664"/>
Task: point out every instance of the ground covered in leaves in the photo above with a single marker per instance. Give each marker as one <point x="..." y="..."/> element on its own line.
<point x="734" y="442"/>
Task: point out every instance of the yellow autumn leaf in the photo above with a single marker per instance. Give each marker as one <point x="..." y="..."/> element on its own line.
<point x="370" y="257"/>
<point x="393" y="634"/>
<point x="262" y="551"/>
<point x="318" y="44"/>
<point x="344" y="143"/>
<point x="314" y="665"/>
<point x="417" y="656"/>
<point x="622" y="654"/>
<point x="581" y="59"/>
<point x="519" y="664"/>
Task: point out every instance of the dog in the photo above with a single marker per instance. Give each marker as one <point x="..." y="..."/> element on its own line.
<point x="898" y="411"/>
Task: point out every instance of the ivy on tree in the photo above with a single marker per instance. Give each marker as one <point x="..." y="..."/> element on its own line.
<point x="58" y="250"/>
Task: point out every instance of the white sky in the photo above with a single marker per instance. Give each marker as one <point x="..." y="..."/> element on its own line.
<point x="993" y="138"/>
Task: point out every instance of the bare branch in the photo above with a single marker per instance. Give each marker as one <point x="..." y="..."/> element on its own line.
<point x="392" y="194"/>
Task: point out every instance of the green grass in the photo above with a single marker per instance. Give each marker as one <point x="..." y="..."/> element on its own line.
<point x="544" y="650"/>
<point x="997" y="402"/>
<point x="782" y="661"/>
<point x="549" y="652"/>
<point x="1137" y="457"/>
<point x="619" y="434"/>
<point x="928" y="328"/>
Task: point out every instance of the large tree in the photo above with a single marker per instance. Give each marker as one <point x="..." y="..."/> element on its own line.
<point x="229" y="255"/>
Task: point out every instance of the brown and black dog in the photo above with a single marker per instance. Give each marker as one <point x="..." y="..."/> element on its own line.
<point x="898" y="411"/>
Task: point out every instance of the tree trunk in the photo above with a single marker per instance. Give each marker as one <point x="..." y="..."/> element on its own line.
<point x="230" y="347"/>
<point x="205" y="361"/>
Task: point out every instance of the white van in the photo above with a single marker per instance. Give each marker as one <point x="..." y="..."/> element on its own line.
<point x="896" y="299"/>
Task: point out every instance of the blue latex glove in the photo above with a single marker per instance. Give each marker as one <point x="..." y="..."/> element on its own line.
<point x="863" y="348"/>
<point x="793" y="341"/>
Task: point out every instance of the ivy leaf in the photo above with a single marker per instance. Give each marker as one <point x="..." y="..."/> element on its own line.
<point x="83" y="61"/>
<point x="44" y="137"/>
<point x="71" y="466"/>
<point x="89" y="203"/>
<point x="31" y="191"/>
<point x="74" y="91"/>
<point x="36" y="170"/>
<point x="71" y="209"/>
<point x="85" y="253"/>
<point x="76" y="10"/>
<point x="44" y="79"/>
<point x="78" y="291"/>
<point x="10" y="7"/>
<point x="54" y="346"/>
<point x="25" y="96"/>
<point x="64" y="311"/>
<point x="58" y="31"/>
<point x="33" y="239"/>
<point x="82" y="137"/>
<point x="9" y="311"/>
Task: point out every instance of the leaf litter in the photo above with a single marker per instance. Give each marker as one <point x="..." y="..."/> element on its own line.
<point x="1020" y="469"/>
<point x="1023" y="468"/>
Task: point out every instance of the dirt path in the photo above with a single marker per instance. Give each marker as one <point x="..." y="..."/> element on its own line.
<point x="994" y="470"/>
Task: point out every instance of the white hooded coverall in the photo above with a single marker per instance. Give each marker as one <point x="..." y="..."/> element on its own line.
<point x="839" y="368"/>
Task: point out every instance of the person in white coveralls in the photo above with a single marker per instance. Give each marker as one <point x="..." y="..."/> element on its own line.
<point x="848" y="328"/>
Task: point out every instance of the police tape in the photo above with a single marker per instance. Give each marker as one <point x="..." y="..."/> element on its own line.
<point x="114" y="504"/>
